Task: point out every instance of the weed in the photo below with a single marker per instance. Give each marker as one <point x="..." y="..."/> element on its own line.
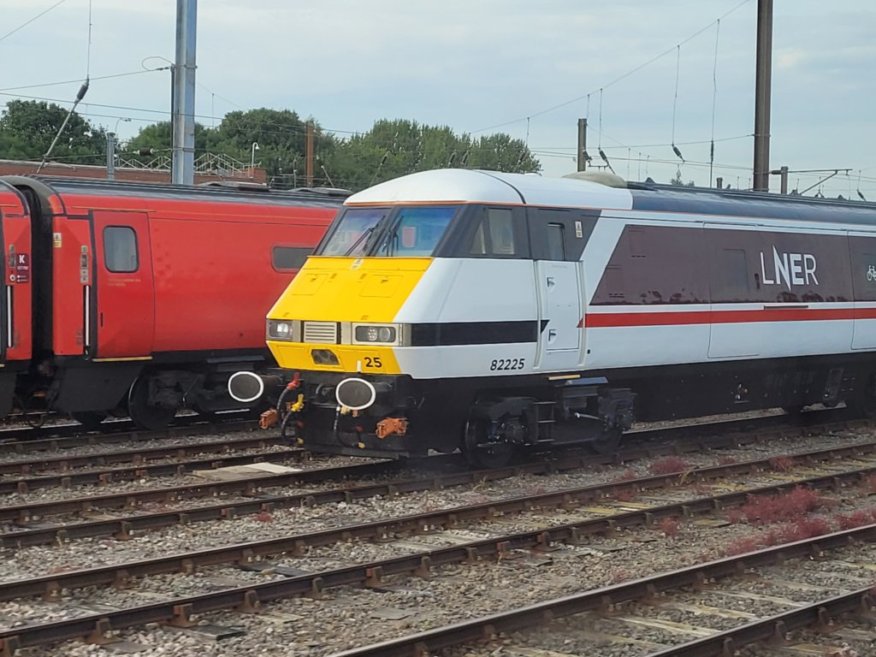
<point x="857" y="518"/>
<point x="743" y="545"/>
<point x="669" y="526"/>
<point x="797" y="531"/>
<point x="669" y="465"/>
<point x="768" y="509"/>
<point x="625" y="495"/>
<point x="781" y="463"/>
<point x="627" y="475"/>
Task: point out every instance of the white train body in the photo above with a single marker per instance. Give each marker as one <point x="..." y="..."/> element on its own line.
<point x="520" y="305"/>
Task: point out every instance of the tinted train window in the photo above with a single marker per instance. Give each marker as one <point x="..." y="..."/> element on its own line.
<point x="730" y="276"/>
<point x="495" y="234"/>
<point x="120" y="249"/>
<point x="655" y="265"/>
<point x="556" y="248"/>
<point x="288" y="258"/>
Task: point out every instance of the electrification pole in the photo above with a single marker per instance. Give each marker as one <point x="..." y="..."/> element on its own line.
<point x="308" y="154"/>
<point x="761" y="173"/>
<point x="183" y="101"/>
<point x="110" y="156"/>
<point x="582" y="144"/>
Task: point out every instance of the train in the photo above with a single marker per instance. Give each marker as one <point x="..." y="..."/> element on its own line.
<point x="503" y="313"/>
<point x="142" y="299"/>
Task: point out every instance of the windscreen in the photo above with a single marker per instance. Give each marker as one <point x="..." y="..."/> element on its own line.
<point x="415" y="231"/>
<point x="350" y="236"/>
<point x="389" y="232"/>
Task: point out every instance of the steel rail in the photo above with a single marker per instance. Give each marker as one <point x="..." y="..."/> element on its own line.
<point x="140" y="471"/>
<point x="253" y="551"/>
<point x="139" y="455"/>
<point x="603" y="599"/>
<point x="252" y="487"/>
<point x="819" y="613"/>
<point x="180" y="611"/>
<point x="20" y="441"/>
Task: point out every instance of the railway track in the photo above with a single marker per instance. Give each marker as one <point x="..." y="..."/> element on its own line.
<point x="499" y="547"/>
<point x="68" y="436"/>
<point x="247" y="495"/>
<point x="772" y="563"/>
<point x="455" y="517"/>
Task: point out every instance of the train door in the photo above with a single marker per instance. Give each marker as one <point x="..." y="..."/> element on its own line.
<point x="558" y="238"/>
<point x="123" y="312"/>
<point x="862" y="248"/>
<point x="734" y="285"/>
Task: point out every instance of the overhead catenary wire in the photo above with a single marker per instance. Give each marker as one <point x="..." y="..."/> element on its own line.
<point x="618" y="79"/>
<point x="714" y="98"/>
<point x="675" y="100"/>
<point x="31" y="20"/>
<point x="79" y="96"/>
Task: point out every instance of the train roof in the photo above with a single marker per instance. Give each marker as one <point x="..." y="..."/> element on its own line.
<point x="477" y="186"/>
<point x="56" y="185"/>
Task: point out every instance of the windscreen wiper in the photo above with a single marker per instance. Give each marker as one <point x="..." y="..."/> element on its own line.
<point x="360" y="239"/>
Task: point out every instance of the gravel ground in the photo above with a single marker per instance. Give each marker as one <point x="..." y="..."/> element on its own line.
<point x="85" y="553"/>
<point x="314" y="627"/>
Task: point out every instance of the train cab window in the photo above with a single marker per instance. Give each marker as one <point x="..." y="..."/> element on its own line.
<point x="556" y="246"/>
<point x="416" y="231"/>
<point x="495" y="234"/>
<point x="351" y="232"/>
<point x="120" y="249"/>
<point x="289" y="258"/>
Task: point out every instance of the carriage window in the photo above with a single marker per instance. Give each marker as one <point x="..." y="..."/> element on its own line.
<point x="731" y="276"/>
<point x="289" y="258"/>
<point x="556" y="249"/>
<point x="120" y="249"/>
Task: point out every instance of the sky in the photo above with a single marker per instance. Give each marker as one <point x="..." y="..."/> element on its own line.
<point x="645" y="74"/>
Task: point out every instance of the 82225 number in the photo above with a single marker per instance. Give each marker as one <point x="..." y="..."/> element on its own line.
<point x="506" y="364"/>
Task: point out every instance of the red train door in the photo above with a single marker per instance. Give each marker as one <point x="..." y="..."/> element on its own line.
<point x="124" y="295"/>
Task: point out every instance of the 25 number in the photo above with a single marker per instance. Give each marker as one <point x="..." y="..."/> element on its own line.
<point x="373" y="362"/>
<point x="506" y="364"/>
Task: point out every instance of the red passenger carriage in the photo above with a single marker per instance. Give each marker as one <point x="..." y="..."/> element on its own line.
<point x="142" y="298"/>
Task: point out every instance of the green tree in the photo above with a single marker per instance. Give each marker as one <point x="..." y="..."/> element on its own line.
<point x="396" y="147"/>
<point x="159" y="138"/>
<point x="27" y="128"/>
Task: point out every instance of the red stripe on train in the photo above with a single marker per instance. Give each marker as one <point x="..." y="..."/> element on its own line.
<point x="605" y="320"/>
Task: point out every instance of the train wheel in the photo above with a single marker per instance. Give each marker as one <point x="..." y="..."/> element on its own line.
<point x="90" y="420"/>
<point x="144" y="414"/>
<point x="607" y="442"/>
<point x="484" y="450"/>
<point x="34" y="417"/>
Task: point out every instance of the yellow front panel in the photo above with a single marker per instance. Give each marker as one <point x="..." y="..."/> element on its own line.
<point x="351" y="358"/>
<point x="350" y="289"/>
<point x="331" y="289"/>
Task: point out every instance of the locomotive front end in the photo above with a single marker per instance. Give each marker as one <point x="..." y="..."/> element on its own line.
<point x="337" y="330"/>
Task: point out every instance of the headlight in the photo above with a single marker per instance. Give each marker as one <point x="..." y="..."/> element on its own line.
<point x="280" y="329"/>
<point x="364" y="333"/>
